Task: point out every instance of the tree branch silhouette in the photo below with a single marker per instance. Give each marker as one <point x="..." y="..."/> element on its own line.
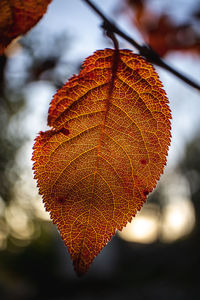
<point x="144" y="50"/>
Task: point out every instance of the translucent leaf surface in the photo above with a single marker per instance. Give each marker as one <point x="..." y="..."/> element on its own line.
<point x="105" y="152"/>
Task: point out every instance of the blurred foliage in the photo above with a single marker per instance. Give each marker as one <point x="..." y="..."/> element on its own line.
<point x="42" y="63"/>
<point x="10" y="104"/>
<point x="162" y="30"/>
<point x="190" y="167"/>
<point x="46" y="57"/>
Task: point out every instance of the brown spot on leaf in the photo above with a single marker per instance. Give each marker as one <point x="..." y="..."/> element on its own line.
<point x="145" y="192"/>
<point x="61" y="200"/>
<point x="64" y="131"/>
<point x="143" y="161"/>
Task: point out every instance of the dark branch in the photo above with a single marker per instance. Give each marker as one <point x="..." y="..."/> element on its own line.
<point x="145" y="50"/>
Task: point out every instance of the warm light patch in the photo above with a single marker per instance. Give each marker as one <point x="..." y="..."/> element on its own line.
<point x="18" y="223"/>
<point x="178" y="220"/>
<point x="143" y="229"/>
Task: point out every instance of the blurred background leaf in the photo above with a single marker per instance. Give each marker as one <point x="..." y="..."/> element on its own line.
<point x="162" y="28"/>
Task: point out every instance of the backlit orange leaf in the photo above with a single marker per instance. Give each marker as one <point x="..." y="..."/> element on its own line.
<point x="17" y="17"/>
<point x="105" y="152"/>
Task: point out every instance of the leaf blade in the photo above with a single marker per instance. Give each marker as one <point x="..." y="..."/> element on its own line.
<point x="118" y="133"/>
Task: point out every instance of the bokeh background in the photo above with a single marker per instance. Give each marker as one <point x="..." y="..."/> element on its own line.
<point x="157" y="256"/>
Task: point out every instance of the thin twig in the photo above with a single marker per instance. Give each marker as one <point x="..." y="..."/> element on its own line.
<point x="145" y="50"/>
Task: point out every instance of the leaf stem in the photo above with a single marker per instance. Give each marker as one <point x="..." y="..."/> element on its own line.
<point x="144" y="50"/>
<point x="111" y="35"/>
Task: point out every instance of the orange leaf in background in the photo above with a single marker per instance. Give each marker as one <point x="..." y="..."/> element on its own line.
<point x="162" y="32"/>
<point x="105" y="152"/>
<point x="17" y="17"/>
